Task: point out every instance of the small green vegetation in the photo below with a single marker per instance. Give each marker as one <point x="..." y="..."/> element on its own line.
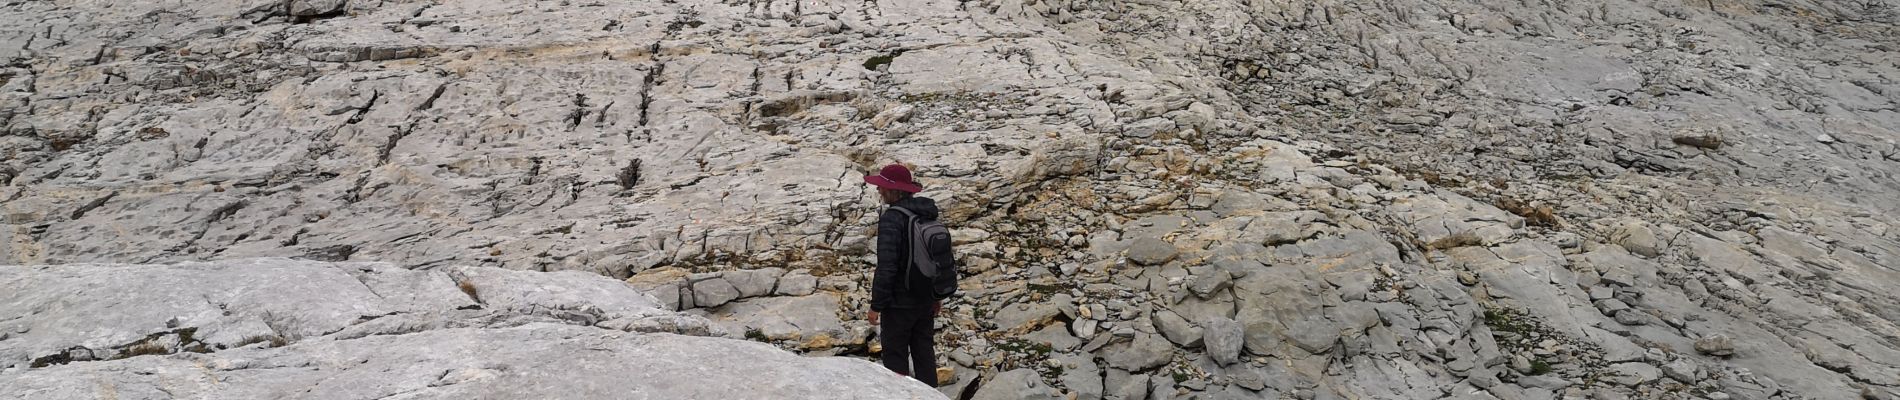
<point x="61" y="357"/>
<point x="882" y="60"/>
<point x="1019" y="353"/>
<point x="152" y="344"/>
<point x="1710" y="142"/>
<point x="1460" y="239"/>
<point x="274" y="340"/>
<point x="1383" y="283"/>
<point x="1025" y="347"/>
<point x="1182" y="371"/>
<point x="1508" y="320"/>
<point x="143" y="349"/>
<point x="1539" y="367"/>
<point x="755" y="335"/>
<point x="1518" y="332"/>
<point x="1048" y="289"/>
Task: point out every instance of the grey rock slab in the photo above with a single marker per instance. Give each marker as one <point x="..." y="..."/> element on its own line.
<point x="796" y="284"/>
<point x="1682" y="371"/>
<point x="515" y="362"/>
<point x="1144" y="352"/>
<point x="1633" y="317"/>
<point x="1069" y="155"/>
<point x="384" y="331"/>
<point x="1286" y="305"/>
<point x="1276" y="228"/>
<point x="1207" y="283"/>
<point x="1016" y="384"/>
<point x="965" y="378"/>
<point x="1055" y="335"/>
<point x="1024" y="317"/>
<point x="812" y="320"/>
<point x="1220" y="304"/>
<point x="1611" y="306"/>
<point x="1161" y="387"/>
<point x="1151" y="251"/>
<point x="105" y="308"/>
<point x="1149" y="128"/>
<point x="1543" y="382"/>
<point x="1178" y="330"/>
<point x="1085" y="328"/>
<point x="564" y="294"/>
<point x="1239" y="202"/>
<point x="1080" y="375"/>
<point x="713" y="292"/>
<point x="754" y="282"/>
<point x="1633" y="373"/>
<point x="1128" y="387"/>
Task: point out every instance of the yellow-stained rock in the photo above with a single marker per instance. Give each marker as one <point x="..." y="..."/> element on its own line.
<point x="946" y="375"/>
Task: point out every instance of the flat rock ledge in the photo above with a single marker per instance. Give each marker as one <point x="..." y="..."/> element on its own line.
<point x="284" y="328"/>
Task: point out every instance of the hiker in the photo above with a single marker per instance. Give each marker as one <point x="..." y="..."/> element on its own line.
<point x="915" y="272"/>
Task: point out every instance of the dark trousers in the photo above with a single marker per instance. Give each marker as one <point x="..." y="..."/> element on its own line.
<point x="908" y="339"/>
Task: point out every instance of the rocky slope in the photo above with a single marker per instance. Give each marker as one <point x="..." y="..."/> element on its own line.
<point x="280" y="328"/>
<point x="1332" y="199"/>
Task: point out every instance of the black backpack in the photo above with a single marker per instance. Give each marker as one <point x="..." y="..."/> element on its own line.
<point x="930" y="255"/>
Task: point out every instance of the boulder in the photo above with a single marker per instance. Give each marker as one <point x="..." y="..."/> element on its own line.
<point x="1151" y="251"/>
<point x="1636" y="237"/>
<point x="1208" y="282"/>
<point x="1682" y="370"/>
<point x="1224" y="338"/>
<point x="1716" y="345"/>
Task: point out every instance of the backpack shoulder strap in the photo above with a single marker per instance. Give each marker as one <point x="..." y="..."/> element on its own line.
<point x="910" y="228"/>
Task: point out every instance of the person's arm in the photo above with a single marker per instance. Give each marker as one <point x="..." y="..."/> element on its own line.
<point x="890" y="259"/>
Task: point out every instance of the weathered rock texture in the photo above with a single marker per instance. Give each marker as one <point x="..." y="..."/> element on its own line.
<point x="280" y="328"/>
<point x="1154" y="199"/>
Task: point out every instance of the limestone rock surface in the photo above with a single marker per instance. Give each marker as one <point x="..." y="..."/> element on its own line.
<point x="281" y="328"/>
<point x="1394" y="199"/>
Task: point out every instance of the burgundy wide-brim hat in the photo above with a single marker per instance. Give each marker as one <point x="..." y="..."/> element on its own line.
<point x="894" y="177"/>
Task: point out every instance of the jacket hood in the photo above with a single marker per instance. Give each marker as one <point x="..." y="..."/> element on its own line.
<point x="924" y="207"/>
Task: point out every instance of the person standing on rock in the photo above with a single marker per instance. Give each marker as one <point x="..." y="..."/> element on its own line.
<point x="915" y="272"/>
